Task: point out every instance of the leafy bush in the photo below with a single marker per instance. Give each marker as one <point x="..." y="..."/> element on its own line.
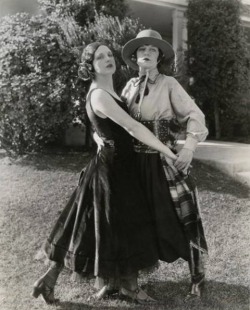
<point x="40" y="95"/>
<point x="218" y="62"/>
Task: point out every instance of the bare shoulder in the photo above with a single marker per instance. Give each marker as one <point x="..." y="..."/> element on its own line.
<point x="100" y="96"/>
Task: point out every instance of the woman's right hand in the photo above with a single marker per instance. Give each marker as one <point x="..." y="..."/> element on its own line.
<point x="169" y="154"/>
<point x="98" y="140"/>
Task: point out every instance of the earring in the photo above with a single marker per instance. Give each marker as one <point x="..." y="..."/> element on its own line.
<point x="133" y="58"/>
<point x="88" y="66"/>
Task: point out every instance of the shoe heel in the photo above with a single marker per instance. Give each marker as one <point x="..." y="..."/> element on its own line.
<point x="36" y="292"/>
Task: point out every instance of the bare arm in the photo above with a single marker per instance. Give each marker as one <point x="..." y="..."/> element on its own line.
<point x="104" y="105"/>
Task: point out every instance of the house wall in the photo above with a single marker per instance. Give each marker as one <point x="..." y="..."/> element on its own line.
<point x="168" y="17"/>
<point x="10" y="7"/>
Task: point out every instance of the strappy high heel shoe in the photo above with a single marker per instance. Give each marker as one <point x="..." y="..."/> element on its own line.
<point x="41" y="288"/>
<point x="138" y="296"/>
<point x="196" y="289"/>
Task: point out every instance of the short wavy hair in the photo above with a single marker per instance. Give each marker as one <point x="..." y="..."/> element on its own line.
<point x="86" y="70"/>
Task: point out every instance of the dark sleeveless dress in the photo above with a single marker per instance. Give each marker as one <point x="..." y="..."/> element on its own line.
<point x="106" y="228"/>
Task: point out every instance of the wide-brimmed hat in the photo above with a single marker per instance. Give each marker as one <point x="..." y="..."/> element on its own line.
<point x="145" y="37"/>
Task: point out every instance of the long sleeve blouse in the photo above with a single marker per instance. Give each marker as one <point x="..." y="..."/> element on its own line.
<point x="167" y="99"/>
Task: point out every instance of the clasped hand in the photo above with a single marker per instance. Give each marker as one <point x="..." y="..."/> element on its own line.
<point x="181" y="161"/>
<point x="98" y="141"/>
<point x="184" y="159"/>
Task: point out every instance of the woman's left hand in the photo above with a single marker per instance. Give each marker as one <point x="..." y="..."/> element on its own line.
<point x="184" y="159"/>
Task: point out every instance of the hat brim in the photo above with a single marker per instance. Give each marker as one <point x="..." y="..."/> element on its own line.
<point x="131" y="46"/>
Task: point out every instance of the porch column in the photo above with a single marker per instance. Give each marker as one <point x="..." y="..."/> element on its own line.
<point x="180" y="45"/>
<point x="179" y="30"/>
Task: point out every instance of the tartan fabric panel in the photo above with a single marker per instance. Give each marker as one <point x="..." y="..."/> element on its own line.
<point x="185" y="200"/>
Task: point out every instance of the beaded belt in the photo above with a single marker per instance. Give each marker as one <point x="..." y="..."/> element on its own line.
<point x="165" y="130"/>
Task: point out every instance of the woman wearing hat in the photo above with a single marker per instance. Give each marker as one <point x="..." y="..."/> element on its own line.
<point x="160" y="103"/>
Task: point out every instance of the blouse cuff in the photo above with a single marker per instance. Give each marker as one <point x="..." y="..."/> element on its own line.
<point x="191" y="143"/>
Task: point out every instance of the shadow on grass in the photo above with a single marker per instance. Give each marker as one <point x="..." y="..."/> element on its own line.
<point x="216" y="295"/>
<point x="171" y="296"/>
<point x="67" y="162"/>
<point x="73" y="306"/>
<point x="211" y="179"/>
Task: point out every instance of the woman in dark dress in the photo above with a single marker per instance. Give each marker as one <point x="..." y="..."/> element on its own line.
<point x="105" y="230"/>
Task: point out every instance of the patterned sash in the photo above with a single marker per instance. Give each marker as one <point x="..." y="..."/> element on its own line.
<point x="184" y="195"/>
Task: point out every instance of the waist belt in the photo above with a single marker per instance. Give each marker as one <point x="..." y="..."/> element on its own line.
<point x="166" y="131"/>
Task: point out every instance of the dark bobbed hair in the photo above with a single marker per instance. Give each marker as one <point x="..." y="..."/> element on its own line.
<point x="159" y="59"/>
<point x="86" y="70"/>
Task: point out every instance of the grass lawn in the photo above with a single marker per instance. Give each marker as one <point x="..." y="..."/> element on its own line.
<point x="34" y="190"/>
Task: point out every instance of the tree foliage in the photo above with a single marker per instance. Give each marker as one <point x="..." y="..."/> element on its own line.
<point x="218" y="62"/>
<point x="41" y="94"/>
<point x="84" y="11"/>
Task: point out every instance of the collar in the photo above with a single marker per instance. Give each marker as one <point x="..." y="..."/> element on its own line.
<point x="153" y="74"/>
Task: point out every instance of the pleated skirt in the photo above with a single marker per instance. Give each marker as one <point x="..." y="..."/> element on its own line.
<point x="106" y="228"/>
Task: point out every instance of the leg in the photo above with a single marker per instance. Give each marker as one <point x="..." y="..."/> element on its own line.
<point x="129" y="288"/>
<point x="130" y="282"/>
<point x="45" y="285"/>
<point x="196" y="266"/>
<point x="106" y="287"/>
